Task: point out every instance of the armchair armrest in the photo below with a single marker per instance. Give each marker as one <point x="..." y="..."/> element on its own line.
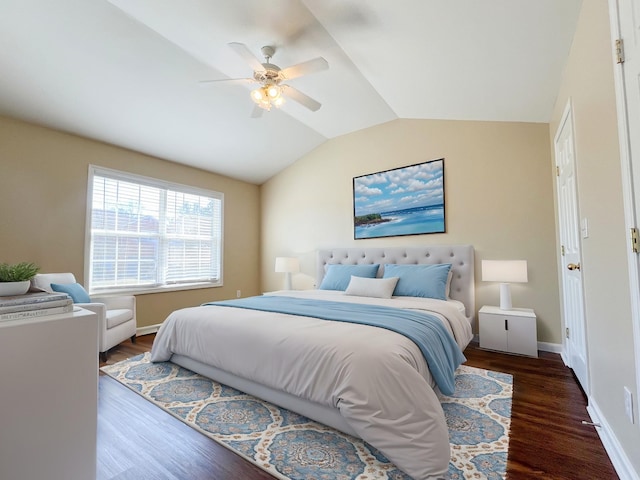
<point x="98" y="308"/>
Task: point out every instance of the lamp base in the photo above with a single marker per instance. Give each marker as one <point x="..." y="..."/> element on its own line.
<point x="287" y="281"/>
<point x="505" y="296"/>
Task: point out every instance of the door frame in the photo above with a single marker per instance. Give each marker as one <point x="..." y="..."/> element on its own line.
<point x="628" y="194"/>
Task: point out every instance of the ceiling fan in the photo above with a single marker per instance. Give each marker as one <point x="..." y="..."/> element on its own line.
<point x="270" y="78"/>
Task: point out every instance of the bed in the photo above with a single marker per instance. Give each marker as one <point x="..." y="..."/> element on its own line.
<point x="366" y="381"/>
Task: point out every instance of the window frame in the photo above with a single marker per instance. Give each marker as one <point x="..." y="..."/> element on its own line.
<point x="95" y="170"/>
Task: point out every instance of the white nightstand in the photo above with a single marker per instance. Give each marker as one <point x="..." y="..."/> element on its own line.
<point x="510" y="331"/>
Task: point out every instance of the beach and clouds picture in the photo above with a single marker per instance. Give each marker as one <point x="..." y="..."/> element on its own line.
<point x="402" y="201"/>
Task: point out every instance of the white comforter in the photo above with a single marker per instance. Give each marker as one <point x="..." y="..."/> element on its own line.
<point x="377" y="378"/>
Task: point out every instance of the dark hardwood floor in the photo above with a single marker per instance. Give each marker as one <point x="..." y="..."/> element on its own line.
<point x="138" y="441"/>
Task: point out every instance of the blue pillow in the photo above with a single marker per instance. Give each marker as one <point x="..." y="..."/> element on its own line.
<point x="76" y="291"/>
<point x="338" y="277"/>
<point x="429" y="281"/>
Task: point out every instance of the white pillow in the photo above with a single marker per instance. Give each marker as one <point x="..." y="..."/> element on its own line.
<point x="371" y="287"/>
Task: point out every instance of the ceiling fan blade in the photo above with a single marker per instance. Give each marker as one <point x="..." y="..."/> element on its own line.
<point x="257" y="112"/>
<point x="242" y="50"/>
<point x="303" y="99"/>
<point x="229" y="81"/>
<point x="305" y="68"/>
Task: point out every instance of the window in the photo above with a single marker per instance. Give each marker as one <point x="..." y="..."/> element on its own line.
<point x="145" y="234"/>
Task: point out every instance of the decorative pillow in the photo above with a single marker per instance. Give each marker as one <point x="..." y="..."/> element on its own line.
<point x="447" y="290"/>
<point x="429" y="281"/>
<point x="76" y="291"/>
<point x="371" y="287"/>
<point x="338" y="277"/>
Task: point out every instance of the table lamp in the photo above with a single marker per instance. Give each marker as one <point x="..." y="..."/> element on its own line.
<point x="505" y="272"/>
<point x="287" y="265"/>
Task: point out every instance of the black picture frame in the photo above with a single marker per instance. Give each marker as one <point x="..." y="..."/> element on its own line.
<point x="400" y="201"/>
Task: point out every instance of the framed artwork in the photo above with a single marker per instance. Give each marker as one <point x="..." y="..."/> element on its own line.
<point x="402" y="201"/>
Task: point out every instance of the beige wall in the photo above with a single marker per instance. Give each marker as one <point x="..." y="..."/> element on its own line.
<point x="588" y="82"/>
<point x="499" y="198"/>
<point x="43" y="189"/>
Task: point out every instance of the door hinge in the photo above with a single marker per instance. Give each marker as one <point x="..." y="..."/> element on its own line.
<point x="635" y="248"/>
<point x="557" y="171"/>
<point x="619" y="51"/>
<point x="566" y="332"/>
<point x="562" y="250"/>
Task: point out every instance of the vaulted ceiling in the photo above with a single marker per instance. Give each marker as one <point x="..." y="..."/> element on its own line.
<point x="127" y="72"/>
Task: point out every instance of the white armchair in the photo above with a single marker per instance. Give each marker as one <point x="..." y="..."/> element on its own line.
<point x="116" y="315"/>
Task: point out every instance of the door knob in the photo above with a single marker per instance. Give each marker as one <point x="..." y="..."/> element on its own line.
<point x="574" y="266"/>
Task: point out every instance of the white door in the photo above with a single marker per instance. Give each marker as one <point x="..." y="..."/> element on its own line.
<point x="625" y="25"/>
<point x="575" y="345"/>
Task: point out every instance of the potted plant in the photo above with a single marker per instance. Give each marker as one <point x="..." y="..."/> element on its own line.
<point x="16" y="279"/>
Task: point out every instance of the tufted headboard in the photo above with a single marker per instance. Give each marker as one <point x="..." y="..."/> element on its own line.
<point x="459" y="256"/>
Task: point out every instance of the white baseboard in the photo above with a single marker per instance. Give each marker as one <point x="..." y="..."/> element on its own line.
<point x="550" y="347"/>
<point x="147" y="330"/>
<point x="618" y="458"/>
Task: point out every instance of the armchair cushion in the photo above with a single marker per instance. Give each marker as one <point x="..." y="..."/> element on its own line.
<point x="76" y="291"/>
<point x="118" y="317"/>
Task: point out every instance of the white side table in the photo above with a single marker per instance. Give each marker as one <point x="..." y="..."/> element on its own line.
<point x="49" y="416"/>
<point x="509" y="331"/>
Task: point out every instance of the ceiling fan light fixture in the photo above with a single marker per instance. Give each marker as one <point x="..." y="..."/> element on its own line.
<point x="273" y="91"/>
<point x="267" y="96"/>
<point x="258" y="95"/>
<point x="265" y="106"/>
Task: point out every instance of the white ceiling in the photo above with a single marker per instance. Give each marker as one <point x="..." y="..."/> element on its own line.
<point x="126" y="72"/>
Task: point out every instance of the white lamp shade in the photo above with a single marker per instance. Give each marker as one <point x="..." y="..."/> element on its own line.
<point x="287" y="264"/>
<point x="505" y="271"/>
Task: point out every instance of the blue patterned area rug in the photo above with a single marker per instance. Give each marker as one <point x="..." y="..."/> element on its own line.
<point x="292" y="447"/>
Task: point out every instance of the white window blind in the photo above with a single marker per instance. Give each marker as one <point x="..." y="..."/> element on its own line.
<point x="147" y="233"/>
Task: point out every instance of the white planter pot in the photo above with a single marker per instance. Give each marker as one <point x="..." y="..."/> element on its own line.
<point x="14" y="288"/>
